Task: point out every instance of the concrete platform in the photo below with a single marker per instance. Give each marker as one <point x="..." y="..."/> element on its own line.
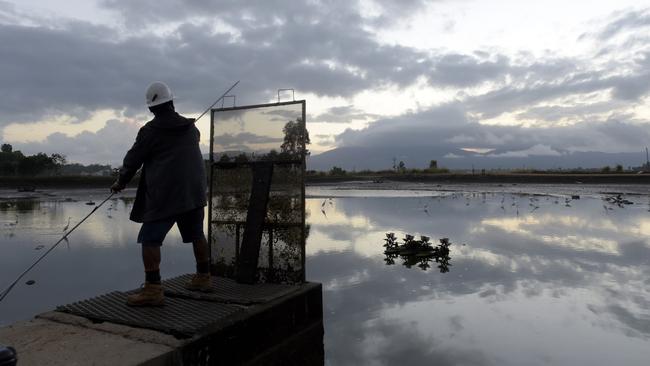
<point x="276" y="325"/>
<point x="60" y="339"/>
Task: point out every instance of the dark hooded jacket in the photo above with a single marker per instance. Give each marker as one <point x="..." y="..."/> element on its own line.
<point x="173" y="177"/>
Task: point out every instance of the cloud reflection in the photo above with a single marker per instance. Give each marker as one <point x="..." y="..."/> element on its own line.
<point x="535" y="288"/>
<point x="559" y="259"/>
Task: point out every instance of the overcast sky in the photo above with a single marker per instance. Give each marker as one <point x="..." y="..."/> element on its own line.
<point x="503" y="77"/>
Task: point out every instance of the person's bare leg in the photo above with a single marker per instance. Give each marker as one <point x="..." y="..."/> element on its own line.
<point x="151" y="258"/>
<point x="201" y="252"/>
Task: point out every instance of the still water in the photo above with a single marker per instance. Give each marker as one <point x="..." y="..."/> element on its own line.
<point x="536" y="277"/>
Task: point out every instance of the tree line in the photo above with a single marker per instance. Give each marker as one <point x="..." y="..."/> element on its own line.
<point x="13" y="163"/>
<point x="398" y="168"/>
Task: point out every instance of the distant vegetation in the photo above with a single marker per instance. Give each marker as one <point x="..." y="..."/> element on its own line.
<point x="92" y="169"/>
<point x="398" y="169"/>
<point x="16" y="164"/>
<point x="618" y="169"/>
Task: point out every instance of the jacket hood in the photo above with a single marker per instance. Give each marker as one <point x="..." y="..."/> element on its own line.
<point x="170" y="120"/>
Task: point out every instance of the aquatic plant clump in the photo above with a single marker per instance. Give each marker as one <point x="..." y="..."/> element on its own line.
<point x="618" y="200"/>
<point x="419" y="252"/>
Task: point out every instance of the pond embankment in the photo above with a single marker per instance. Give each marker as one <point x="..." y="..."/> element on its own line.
<point x="56" y="182"/>
<point x="490" y="178"/>
<point x="452" y="178"/>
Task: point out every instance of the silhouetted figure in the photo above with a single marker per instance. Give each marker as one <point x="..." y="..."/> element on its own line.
<point x="172" y="190"/>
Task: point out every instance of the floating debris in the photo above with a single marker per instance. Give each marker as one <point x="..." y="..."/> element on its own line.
<point x="39" y="247"/>
<point x="30" y="282"/>
<point x="90" y="203"/>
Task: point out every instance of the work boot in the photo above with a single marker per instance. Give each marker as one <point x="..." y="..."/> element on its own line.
<point x="199" y="282"/>
<point x="151" y="294"/>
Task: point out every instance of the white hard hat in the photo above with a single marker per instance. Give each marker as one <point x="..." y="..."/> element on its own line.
<point x="158" y="93"/>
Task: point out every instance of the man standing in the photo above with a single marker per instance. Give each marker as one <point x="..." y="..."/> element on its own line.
<point x="172" y="190"/>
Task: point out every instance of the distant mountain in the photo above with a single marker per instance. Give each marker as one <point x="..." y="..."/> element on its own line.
<point x="359" y="158"/>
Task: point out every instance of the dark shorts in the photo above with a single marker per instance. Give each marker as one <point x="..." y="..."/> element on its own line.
<point x="190" y="224"/>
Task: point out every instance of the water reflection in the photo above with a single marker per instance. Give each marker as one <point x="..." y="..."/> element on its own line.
<point x="99" y="256"/>
<point x="417" y="252"/>
<point x="539" y="282"/>
<point x="19" y="205"/>
<point x="531" y="287"/>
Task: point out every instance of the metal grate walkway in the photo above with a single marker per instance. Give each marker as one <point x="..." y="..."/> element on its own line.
<point x="178" y="317"/>
<point x="185" y="312"/>
<point x="226" y="290"/>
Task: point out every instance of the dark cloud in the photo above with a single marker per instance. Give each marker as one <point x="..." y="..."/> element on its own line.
<point x="631" y="88"/>
<point x="552" y="80"/>
<point x="299" y="40"/>
<point x="323" y="49"/>
<point x="627" y="21"/>
<point x="81" y="67"/>
<point x="253" y="14"/>
<point x="577" y="112"/>
<point x="634" y="325"/>
<point x="442" y="133"/>
<point x="70" y="68"/>
<point x="7" y="10"/>
<point x="514" y="96"/>
<point x="10" y="15"/>
<point x="418" y="128"/>
<point x="50" y="72"/>
<point x="343" y="114"/>
<point x="448" y="128"/>
<point x="465" y="71"/>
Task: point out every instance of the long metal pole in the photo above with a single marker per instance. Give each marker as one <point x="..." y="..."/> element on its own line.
<point x="210" y="182"/>
<point x="303" y="167"/>
<point x="217" y="101"/>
